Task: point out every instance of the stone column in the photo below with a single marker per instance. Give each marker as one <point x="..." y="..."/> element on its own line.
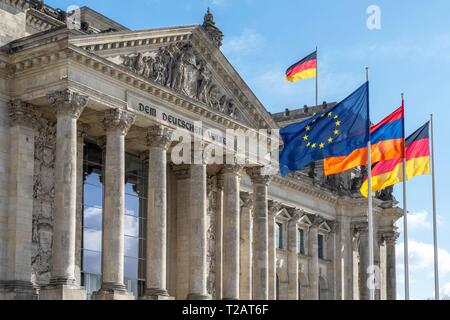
<point x="292" y="263"/>
<point x="274" y="208"/>
<point x="314" y="258"/>
<point x="69" y="107"/>
<point x="219" y="238"/>
<point x="260" y="233"/>
<point x="182" y="173"/>
<point x="391" y="284"/>
<point x="82" y="131"/>
<point x="362" y="232"/>
<point x="246" y="253"/>
<point x="231" y="206"/>
<point x="197" y="244"/>
<point x="159" y="139"/>
<point x="344" y="256"/>
<point x="116" y="122"/>
<point x="17" y="284"/>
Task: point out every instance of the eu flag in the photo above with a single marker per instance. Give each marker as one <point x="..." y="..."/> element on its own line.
<point x="333" y="133"/>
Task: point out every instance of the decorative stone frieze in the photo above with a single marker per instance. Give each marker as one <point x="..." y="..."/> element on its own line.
<point x="23" y="114"/>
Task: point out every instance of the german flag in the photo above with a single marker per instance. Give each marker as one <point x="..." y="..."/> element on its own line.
<point x="386" y="139"/>
<point x="389" y="172"/>
<point x="304" y="69"/>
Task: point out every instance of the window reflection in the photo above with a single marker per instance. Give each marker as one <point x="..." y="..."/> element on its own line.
<point x="134" y="221"/>
<point x="92" y="262"/>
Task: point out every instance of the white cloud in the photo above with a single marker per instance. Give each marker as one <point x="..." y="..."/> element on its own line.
<point x="248" y="41"/>
<point x="419" y="220"/>
<point x="445" y="290"/>
<point x="421" y="257"/>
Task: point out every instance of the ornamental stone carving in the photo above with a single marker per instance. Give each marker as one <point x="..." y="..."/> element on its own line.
<point x="179" y="67"/>
<point x="43" y="198"/>
<point x="258" y="175"/>
<point x="23" y="114"/>
<point x="118" y="119"/>
<point x="211" y="30"/>
<point x="68" y="103"/>
<point x="159" y="136"/>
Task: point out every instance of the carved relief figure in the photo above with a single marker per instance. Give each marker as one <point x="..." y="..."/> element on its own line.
<point x="178" y="66"/>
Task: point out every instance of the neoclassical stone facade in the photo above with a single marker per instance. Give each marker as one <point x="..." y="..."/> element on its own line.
<point x="92" y="206"/>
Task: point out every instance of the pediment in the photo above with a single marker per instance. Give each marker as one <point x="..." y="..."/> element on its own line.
<point x="283" y="214"/>
<point x="304" y="220"/>
<point x="183" y="60"/>
<point x="324" y="227"/>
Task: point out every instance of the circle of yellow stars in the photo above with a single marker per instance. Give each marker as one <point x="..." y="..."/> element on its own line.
<point x="336" y="132"/>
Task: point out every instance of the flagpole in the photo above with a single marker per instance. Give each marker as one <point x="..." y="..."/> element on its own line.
<point x="370" y="211"/>
<point x="405" y="215"/>
<point x="436" y="268"/>
<point x="317" y="77"/>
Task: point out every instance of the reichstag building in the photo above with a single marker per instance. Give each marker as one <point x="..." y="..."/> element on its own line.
<point x="92" y="207"/>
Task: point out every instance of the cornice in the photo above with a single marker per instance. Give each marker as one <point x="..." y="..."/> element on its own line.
<point x="19" y="4"/>
<point x="248" y="102"/>
<point x="306" y="188"/>
<point x="123" y="75"/>
<point x="40" y="21"/>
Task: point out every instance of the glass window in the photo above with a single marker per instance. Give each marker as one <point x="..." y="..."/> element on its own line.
<point x="301" y="241"/>
<point x="93" y="218"/>
<point x="131" y="226"/>
<point x="92" y="262"/>
<point x="134" y="220"/>
<point x="131" y="247"/>
<point x="320" y="243"/>
<point x="279" y="235"/>
<point x="92" y="239"/>
<point x="131" y="205"/>
<point x="131" y="268"/>
<point x="93" y="195"/>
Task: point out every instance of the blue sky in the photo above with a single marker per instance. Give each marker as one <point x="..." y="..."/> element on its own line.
<point x="410" y="54"/>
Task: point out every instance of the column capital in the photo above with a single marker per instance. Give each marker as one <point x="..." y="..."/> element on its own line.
<point x="274" y="207"/>
<point x="246" y="200"/>
<point x="258" y="175"/>
<point x="68" y="102"/>
<point x="296" y="215"/>
<point x="361" y="228"/>
<point x="390" y="237"/>
<point x="181" y="171"/>
<point x="118" y="119"/>
<point x="82" y="129"/>
<point x="159" y="136"/>
<point x="23" y="114"/>
<point x="219" y="181"/>
<point x="232" y="169"/>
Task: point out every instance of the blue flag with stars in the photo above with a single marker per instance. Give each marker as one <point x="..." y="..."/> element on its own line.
<point x="333" y="133"/>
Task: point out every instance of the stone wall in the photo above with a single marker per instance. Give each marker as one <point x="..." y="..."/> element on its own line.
<point x="12" y="23"/>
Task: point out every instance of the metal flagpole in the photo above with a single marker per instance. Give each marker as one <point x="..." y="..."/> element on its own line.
<point x="369" y="211"/>
<point x="405" y="215"/>
<point x="436" y="268"/>
<point x="317" y="77"/>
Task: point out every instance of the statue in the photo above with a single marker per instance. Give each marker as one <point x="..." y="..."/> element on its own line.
<point x="210" y="27"/>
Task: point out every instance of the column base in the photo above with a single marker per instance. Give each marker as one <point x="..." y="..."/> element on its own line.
<point x="62" y="292"/>
<point x="113" y="292"/>
<point x="157" y="294"/>
<point x="17" y="290"/>
<point x="196" y="296"/>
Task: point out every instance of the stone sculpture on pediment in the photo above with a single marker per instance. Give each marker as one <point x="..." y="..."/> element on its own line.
<point x="181" y="68"/>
